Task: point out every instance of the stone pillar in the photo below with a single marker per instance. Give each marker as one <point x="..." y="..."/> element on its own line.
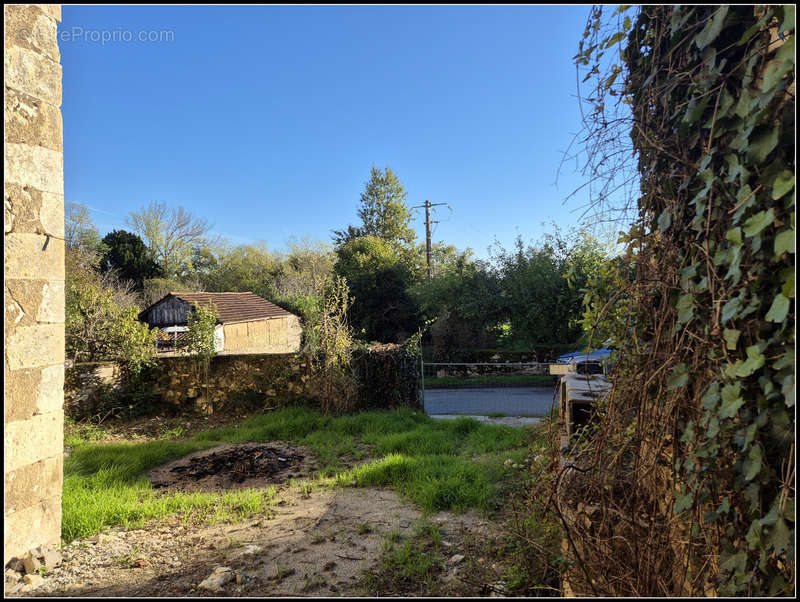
<point x="33" y="280"/>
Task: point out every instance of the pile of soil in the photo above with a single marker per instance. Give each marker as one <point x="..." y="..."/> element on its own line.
<point x="242" y="466"/>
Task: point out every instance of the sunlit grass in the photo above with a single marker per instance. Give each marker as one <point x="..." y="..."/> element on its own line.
<point x="432" y="462"/>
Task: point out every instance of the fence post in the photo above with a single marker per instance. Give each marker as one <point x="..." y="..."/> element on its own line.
<point x="422" y="378"/>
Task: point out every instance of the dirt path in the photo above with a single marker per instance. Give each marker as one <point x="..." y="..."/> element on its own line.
<point x="315" y="544"/>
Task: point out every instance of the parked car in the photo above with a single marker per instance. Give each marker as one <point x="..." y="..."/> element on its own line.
<point x="587" y="361"/>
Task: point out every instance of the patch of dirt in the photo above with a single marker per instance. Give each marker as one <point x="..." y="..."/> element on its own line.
<point x="312" y="544"/>
<point x="242" y="466"/>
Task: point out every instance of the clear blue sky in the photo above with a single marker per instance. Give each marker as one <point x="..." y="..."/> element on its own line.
<point x="266" y="119"/>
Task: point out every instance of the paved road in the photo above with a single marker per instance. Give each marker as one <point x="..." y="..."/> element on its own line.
<point x="511" y="401"/>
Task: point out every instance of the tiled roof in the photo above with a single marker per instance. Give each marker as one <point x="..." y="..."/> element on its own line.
<point x="235" y="307"/>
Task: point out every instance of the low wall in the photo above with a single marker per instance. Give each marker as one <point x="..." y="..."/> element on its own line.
<point x="232" y="382"/>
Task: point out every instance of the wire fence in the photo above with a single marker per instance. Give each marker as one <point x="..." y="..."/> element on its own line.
<point x="485" y="388"/>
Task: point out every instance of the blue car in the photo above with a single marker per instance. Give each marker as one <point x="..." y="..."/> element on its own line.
<point x="588" y="362"/>
<point x="598" y="355"/>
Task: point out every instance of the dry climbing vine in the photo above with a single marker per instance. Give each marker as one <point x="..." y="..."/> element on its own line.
<point x="687" y="484"/>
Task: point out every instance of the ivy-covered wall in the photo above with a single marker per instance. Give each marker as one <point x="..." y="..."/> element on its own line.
<point x="693" y="459"/>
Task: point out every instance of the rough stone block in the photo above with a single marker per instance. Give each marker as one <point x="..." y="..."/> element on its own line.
<point x="39" y="300"/>
<point x="34" y="167"/>
<point x="28" y="210"/>
<point x="36" y="525"/>
<point x="34" y="346"/>
<point x="28" y="26"/>
<point x="29" y="441"/>
<point x="33" y="73"/>
<point x="33" y="483"/>
<point x="21" y="389"/>
<point x="33" y="257"/>
<point x="29" y="120"/>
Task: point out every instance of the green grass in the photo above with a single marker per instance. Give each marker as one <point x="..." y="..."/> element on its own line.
<point x="410" y="567"/>
<point x="499" y="379"/>
<point x="440" y="464"/>
<point x="106" y="485"/>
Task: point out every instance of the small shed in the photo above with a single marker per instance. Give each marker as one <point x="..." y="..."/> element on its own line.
<point x="246" y="323"/>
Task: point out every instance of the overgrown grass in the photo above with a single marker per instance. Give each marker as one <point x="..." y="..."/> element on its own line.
<point x="440" y="464"/>
<point x="107" y="485"/>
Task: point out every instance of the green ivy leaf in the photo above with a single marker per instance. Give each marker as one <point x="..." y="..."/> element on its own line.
<point x="683" y="502"/>
<point x="779" y="309"/>
<point x="734" y="235"/>
<point x="784" y="243"/>
<point x="711" y="396"/>
<point x="752" y="464"/>
<point x="755" y="359"/>
<point x="783" y="183"/>
<point x="678" y="378"/>
<point x="731" y="400"/>
<point x="753" y="537"/>
<point x="761" y="144"/>
<point x="733" y="562"/>
<point x="712" y="28"/>
<point x="788" y="283"/>
<point x="779" y="537"/>
<point x="731" y="308"/>
<point x="713" y="428"/>
<point x="685" y="307"/>
<point x="758" y="222"/>
<point x="695" y="111"/>
<point x="731" y="337"/>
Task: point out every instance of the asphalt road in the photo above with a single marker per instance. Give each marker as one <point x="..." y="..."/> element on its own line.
<point x="511" y="401"/>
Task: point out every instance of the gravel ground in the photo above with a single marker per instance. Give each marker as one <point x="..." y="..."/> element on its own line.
<point x="316" y="544"/>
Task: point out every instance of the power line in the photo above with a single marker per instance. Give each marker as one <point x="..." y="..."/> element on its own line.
<point x="428" y="223"/>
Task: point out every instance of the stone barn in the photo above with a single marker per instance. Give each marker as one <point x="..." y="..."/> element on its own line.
<point x="246" y="323"/>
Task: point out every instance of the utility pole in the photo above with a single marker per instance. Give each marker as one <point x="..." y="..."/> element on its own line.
<point x="428" y="223"/>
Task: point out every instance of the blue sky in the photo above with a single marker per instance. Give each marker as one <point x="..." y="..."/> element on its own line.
<point x="266" y="119"/>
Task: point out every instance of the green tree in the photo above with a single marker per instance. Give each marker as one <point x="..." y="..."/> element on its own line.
<point x="464" y="302"/>
<point x="97" y="328"/>
<point x="383" y="211"/>
<point x="244" y="268"/>
<point x="129" y="257"/>
<point x="541" y="287"/>
<point x="199" y="338"/>
<point x="379" y="280"/>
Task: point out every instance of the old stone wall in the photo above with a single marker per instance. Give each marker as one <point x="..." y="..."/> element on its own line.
<point x="231" y="382"/>
<point x="177" y="385"/>
<point x="181" y="384"/>
<point x="33" y="279"/>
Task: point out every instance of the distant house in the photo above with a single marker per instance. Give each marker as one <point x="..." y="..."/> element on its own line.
<point x="246" y="323"/>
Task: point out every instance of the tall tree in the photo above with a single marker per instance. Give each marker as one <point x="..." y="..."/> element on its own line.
<point x="127" y="254"/>
<point x="171" y="234"/>
<point x="383" y="211"/>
